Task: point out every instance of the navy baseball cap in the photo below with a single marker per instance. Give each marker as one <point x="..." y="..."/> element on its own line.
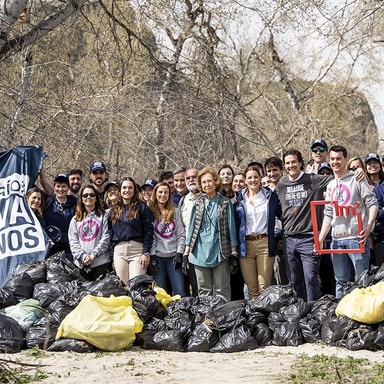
<point x="61" y="178"/>
<point x="97" y="166"/>
<point x="149" y="183"/>
<point x="324" y="166"/>
<point x="110" y="184"/>
<point x="319" y="143"/>
<point x="372" y="156"/>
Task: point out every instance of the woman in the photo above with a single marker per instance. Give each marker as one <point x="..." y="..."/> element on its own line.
<point x="375" y="173"/>
<point x="89" y="237"/>
<point x="147" y="189"/>
<point x="211" y="238"/>
<point x="131" y="232"/>
<point x="111" y="193"/>
<point x="256" y="211"/>
<point x="169" y="240"/>
<point x="36" y="203"/>
<point x="354" y="163"/>
<point x="58" y="212"/>
<point x="226" y="174"/>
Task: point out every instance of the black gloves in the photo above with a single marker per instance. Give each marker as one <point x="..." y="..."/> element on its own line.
<point x="178" y="261"/>
<point x="154" y="264"/>
<point x="233" y="264"/>
<point x="185" y="265"/>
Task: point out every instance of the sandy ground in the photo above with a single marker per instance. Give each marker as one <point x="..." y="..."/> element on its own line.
<point x="264" y="365"/>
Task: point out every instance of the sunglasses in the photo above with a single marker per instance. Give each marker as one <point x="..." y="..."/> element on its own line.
<point x="317" y="150"/>
<point x="325" y="173"/>
<point x="353" y="168"/>
<point x="85" y="195"/>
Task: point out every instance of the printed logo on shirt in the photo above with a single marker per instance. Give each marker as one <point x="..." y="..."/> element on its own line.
<point x="88" y="230"/>
<point x="165" y="230"/>
<point x="341" y="194"/>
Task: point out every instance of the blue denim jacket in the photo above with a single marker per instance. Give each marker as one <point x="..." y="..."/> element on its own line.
<point x="274" y="209"/>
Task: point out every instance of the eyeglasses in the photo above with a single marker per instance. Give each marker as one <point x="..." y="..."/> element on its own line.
<point x="353" y="168"/>
<point x="325" y="173"/>
<point x="317" y="150"/>
<point x="85" y="195"/>
<point x="191" y="177"/>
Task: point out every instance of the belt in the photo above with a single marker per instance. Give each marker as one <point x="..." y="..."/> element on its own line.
<point x="255" y="237"/>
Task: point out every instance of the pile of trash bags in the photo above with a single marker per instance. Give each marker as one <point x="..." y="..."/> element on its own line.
<point x="50" y="305"/>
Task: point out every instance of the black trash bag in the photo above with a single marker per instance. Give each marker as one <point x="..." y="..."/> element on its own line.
<point x="186" y="303"/>
<point x="274" y="319"/>
<point x="110" y="285"/>
<point x="263" y="334"/>
<point x="60" y="269"/>
<point x="141" y="283"/>
<point x="296" y="311"/>
<point x="322" y="307"/>
<point x="169" y="340"/>
<point x="272" y="299"/>
<point x="287" y="334"/>
<point x="203" y="339"/>
<point x="144" y="339"/>
<point x="379" y="339"/>
<point x="180" y="321"/>
<point x="226" y="316"/>
<point x="311" y="329"/>
<point x="47" y="293"/>
<point x="336" y="329"/>
<point x="41" y="333"/>
<point x="157" y="324"/>
<point x="6" y="298"/>
<point x="255" y="318"/>
<point x="63" y="345"/>
<point x="11" y="335"/>
<point x="59" y="309"/>
<point x="21" y="286"/>
<point x="379" y="275"/>
<point x="147" y="306"/>
<point x="362" y="337"/>
<point x="364" y="280"/>
<point x="37" y="271"/>
<point x="238" y="339"/>
<point x="205" y="304"/>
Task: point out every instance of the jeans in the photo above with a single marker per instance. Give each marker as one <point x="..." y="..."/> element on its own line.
<point x="165" y="268"/>
<point x="348" y="265"/>
<point x="303" y="265"/>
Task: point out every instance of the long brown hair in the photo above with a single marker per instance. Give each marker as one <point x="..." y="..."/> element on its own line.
<point x="80" y="207"/>
<point x="169" y="210"/>
<point x="116" y="211"/>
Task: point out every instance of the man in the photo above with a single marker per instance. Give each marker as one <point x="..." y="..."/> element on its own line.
<point x="98" y="176"/>
<point x="75" y="177"/>
<point x="167" y="176"/>
<point x="296" y="191"/>
<point x="179" y="185"/>
<point x="185" y="207"/>
<point x="274" y="169"/>
<point x="346" y="191"/>
<point x="319" y="150"/>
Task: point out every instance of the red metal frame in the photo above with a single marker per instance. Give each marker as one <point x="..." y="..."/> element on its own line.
<point x="340" y="210"/>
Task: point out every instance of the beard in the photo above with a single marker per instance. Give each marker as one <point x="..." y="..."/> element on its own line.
<point x="192" y="188"/>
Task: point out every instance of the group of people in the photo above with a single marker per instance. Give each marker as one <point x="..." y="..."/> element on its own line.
<point x="217" y="232"/>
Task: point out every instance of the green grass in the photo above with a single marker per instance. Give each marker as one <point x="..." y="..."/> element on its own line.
<point x="321" y="369"/>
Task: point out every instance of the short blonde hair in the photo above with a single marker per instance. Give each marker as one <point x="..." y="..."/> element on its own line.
<point x="213" y="173"/>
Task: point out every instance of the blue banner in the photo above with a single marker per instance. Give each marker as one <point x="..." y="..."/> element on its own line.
<point x="22" y="240"/>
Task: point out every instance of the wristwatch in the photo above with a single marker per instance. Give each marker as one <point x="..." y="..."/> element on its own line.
<point x="146" y="254"/>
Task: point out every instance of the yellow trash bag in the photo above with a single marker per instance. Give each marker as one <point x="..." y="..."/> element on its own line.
<point x="163" y="297"/>
<point x="363" y="304"/>
<point x="108" y="323"/>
